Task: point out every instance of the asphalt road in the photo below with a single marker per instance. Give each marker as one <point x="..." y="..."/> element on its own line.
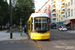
<point x="18" y="45"/>
<point x="61" y="35"/>
<point x="60" y="40"/>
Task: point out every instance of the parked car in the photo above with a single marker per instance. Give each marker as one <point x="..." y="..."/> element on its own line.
<point x="62" y="28"/>
<point x="53" y="26"/>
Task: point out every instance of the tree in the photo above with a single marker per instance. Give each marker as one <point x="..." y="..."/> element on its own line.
<point x="3" y="12"/>
<point x="22" y="9"/>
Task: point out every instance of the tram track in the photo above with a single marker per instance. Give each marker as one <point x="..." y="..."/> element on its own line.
<point x="38" y="45"/>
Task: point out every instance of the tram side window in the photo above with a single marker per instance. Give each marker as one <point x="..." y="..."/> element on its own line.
<point x="29" y="26"/>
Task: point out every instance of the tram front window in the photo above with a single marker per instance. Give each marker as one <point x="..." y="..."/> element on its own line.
<point x="41" y="24"/>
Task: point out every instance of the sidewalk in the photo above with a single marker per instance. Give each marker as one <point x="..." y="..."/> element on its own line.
<point x="16" y="36"/>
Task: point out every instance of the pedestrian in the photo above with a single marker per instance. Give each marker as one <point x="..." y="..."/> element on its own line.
<point x="23" y="29"/>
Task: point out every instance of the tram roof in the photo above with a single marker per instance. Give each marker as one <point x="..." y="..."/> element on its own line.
<point x="39" y="15"/>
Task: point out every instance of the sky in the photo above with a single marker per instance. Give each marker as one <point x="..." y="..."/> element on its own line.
<point x="38" y="4"/>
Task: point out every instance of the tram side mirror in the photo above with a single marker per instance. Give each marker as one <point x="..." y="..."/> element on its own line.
<point x="49" y="20"/>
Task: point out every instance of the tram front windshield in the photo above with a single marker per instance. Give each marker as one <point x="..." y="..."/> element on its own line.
<point x="41" y="23"/>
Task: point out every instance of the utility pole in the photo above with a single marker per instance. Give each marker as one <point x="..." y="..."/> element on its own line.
<point x="10" y="20"/>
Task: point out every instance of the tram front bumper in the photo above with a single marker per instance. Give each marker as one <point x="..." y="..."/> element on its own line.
<point x="38" y="36"/>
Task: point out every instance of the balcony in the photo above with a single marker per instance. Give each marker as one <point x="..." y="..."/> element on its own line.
<point x="63" y="3"/>
<point x="53" y="17"/>
<point x="63" y="8"/>
<point x="53" y="8"/>
<point x="62" y="0"/>
<point x="62" y="11"/>
<point x="53" y="4"/>
<point x="53" y="13"/>
<point x="63" y="14"/>
<point x="52" y="1"/>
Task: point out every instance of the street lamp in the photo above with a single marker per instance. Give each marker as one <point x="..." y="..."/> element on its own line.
<point x="10" y="19"/>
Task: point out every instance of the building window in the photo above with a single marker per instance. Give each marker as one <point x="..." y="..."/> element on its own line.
<point x="59" y="11"/>
<point x="66" y="15"/>
<point x="72" y="12"/>
<point x="59" y="16"/>
<point x="57" y="19"/>
<point x="68" y="3"/>
<point x="71" y="2"/>
<point x="66" y="6"/>
<point x="74" y="1"/>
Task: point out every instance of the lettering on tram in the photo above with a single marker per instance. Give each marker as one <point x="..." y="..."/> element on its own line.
<point x="38" y="26"/>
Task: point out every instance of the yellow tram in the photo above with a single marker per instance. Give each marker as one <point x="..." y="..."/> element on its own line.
<point x="38" y="26"/>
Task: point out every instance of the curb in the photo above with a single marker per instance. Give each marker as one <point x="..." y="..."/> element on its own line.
<point x="22" y="38"/>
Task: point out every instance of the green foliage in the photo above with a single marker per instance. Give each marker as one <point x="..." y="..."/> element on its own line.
<point x="4" y="18"/>
<point x="22" y="9"/>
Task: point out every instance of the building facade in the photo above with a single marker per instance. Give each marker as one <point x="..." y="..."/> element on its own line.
<point x="61" y="12"/>
<point x="70" y="14"/>
<point x="46" y="8"/>
<point x="58" y="11"/>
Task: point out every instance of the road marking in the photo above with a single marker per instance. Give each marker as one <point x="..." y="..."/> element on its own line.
<point x="54" y="44"/>
<point x="55" y="37"/>
<point x="59" y="37"/>
<point x="18" y="41"/>
<point x="12" y="42"/>
<point x="24" y="41"/>
<point x="5" y="42"/>
<point x="67" y="36"/>
<point x="63" y="36"/>
<point x="62" y="43"/>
